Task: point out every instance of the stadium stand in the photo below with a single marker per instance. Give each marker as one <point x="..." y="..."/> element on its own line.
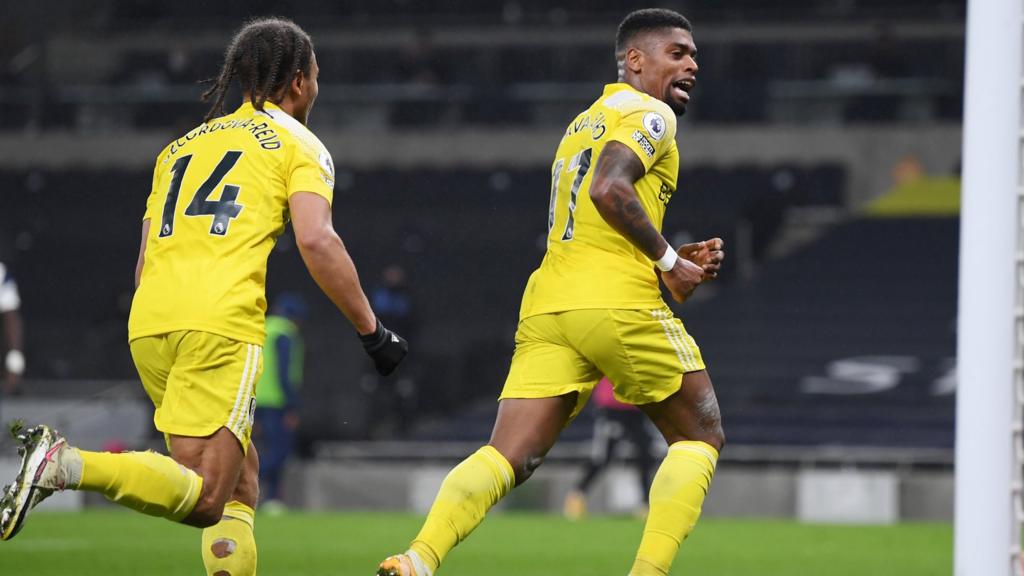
<point x="844" y="342"/>
<point x="478" y="63"/>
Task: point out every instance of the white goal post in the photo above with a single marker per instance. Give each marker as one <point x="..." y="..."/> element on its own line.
<point x="990" y="332"/>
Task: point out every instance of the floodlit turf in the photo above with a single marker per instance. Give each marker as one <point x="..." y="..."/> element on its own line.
<point x="112" y="543"/>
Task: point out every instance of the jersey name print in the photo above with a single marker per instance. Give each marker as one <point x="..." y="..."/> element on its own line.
<point x="588" y="264"/>
<point x="219" y="201"/>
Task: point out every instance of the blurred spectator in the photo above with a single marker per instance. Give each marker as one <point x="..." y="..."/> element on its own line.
<point x="277" y="395"/>
<point x="14" y="359"/>
<point x="916" y="193"/>
<point x="393" y="400"/>
<point x="615" y="422"/>
<point x="392" y="301"/>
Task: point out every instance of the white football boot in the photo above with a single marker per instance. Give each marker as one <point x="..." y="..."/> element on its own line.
<point x="47" y="465"/>
<point x="408" y="564"/>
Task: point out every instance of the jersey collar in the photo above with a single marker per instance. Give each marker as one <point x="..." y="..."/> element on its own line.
<point x="618" y="87"/>
<point x="247" y="106"/>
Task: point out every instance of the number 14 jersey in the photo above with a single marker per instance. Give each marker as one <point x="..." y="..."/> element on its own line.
<point x="218" y="203"/>
<point x="588" y="264"/>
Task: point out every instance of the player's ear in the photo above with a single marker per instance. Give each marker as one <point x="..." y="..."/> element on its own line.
<point x="298" y="83"/>
<point x="634" y="59"/>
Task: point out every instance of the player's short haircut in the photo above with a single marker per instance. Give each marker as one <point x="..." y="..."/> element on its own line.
<point x="647" y="20"/>
<point x="263" y="57"/>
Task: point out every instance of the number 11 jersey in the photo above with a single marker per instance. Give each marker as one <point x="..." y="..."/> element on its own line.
<point x="218" y="203"/>
<point x="588" y="264"/>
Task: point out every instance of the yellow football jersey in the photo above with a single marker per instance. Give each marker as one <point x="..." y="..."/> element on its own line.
<point x="588" y="264"/>
<point x="218" y="203"/>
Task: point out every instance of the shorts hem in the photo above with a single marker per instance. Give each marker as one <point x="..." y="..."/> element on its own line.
<point x="204" y="432"/>
<point x="662" y="394"/>
<point x="527" y="395"/>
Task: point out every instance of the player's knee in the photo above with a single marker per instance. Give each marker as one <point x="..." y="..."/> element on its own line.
<point x="713" y="435"/>
<point x="717" y="439"/>
<point x="205" y="519"/>
<point x="527" y="466"/>
<point x="710" y="423"/>
<point x="208" y="511"/>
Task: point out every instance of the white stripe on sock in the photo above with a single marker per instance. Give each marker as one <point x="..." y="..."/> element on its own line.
<point x="418" y="564"/>
<point x="509" y="482"/>
<point x="689" y="448"/>
<point x="188" y="495"/>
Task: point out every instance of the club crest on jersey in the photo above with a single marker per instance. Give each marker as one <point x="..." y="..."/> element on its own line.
<point x="665" y="194"/>
<point x="655" y="125"/>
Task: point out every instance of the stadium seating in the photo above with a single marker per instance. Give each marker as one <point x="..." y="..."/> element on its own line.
<point x="773" y="344"/>
<point x="743" y="83"/>
<point x="528" y="11"/>
<point x="546" y="62"/>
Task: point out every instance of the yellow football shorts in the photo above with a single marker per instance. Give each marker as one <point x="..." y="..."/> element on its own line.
<point x="643" y="352"/>
<point x="200" y="382"/>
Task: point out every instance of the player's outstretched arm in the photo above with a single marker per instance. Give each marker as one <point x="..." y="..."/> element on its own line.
<point x="615" y="198"/>
<point x="333" y="270"/>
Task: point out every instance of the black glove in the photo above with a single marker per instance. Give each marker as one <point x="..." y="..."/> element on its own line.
<point x="385" y="347"/>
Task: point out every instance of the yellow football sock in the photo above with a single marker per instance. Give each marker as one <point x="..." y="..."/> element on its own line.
<point x="466" y="494"/>
<point x="677" y="494"/>
<point x="151" y="483"/>
<point x="229" y="547"/>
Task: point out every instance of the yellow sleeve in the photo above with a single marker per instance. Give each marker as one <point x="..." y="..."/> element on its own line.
<point x="153" y="207"/>
<point x="312" y="170"/>
<point x="648" y="131"/>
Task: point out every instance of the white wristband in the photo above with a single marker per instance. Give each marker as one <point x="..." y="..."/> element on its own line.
<point x="667" y="260"/>
<point x="15" y="362"/>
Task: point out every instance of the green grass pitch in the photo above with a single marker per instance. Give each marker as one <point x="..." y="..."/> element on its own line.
<point x="113" y="543"/>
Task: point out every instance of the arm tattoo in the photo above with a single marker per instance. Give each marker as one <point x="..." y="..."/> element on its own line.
<point x="617" y="169"/>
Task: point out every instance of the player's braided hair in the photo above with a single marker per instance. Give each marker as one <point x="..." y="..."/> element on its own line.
<point x="264" y="57"/>
<point x="646" y="20"/>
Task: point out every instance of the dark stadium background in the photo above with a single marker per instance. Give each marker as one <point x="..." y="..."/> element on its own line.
<point x="830" y="335"/>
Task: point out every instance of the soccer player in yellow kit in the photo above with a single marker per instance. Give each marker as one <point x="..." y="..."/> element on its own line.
<point x="221" y="195"/>
<point x="594" y="307"/>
